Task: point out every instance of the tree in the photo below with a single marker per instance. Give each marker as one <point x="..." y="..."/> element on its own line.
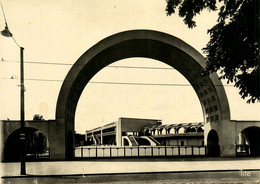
<point x="233" y="49"/>
<point x="38" y="117"/>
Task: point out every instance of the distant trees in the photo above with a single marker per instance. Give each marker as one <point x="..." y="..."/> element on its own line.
<point x="37" y="117"/>
<point x="233" y="49"/>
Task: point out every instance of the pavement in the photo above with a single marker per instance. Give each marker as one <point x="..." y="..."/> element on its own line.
<point x="127" y="166"/>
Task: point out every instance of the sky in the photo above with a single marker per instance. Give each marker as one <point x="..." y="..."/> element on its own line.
<point x="58" y="32"/>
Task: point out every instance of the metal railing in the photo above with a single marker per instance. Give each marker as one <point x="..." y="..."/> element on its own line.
<point x="36" y="156"/>
<point x="138" y="151"/>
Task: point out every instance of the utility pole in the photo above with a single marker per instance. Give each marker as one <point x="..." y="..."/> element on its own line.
<point x="22" y="133"/>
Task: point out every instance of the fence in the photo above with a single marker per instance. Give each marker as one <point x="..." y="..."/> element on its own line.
<point x="139" y="151"/>
<point x="39" y="156"/>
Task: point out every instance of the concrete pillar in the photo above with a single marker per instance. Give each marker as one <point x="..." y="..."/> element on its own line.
<point x="101" y="136"/>
<point x="227" y="138"/>
<point x="119" y="132"/>
<point x="57" y="140"/>
<point x="226" y="131"/>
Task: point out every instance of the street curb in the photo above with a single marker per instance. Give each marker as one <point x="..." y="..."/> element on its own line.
<point x="132" y="173"/>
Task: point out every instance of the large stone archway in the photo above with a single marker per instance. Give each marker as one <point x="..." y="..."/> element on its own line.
<point x="138" y="43"/>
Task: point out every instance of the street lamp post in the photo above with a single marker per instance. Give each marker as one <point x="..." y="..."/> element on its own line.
<point x="6" y="32"/>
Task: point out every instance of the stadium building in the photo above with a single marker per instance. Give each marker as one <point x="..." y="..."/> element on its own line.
<point x="150" y="132"/>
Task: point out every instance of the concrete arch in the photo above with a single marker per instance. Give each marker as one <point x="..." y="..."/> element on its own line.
<point x="147" y="132"/>
<point x="138" y="43"/>
<point x="164" y="131"/>
<point x="172" y="130"/>
<point x="200" y="129"/>
<point x="181" y="130"/>
<point x="160" y="131"/>
<point x="191" y="129"/>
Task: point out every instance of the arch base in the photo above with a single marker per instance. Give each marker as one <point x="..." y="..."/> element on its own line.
<point x="228" y="150"/>
<point x="226" y="132"/>
<point x="58" y="143"/>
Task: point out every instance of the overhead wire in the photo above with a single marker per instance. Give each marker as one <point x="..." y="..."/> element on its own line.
<point x="3" y="13"/>
<point x="16" y="42"/>
<point x="6" y="24"/>
<point x="109" y="66"/>
<point x="111" y="83"/>
<point x="117" y="83"/>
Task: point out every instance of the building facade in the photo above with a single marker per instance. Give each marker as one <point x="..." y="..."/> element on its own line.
<point x="137" y="132"/>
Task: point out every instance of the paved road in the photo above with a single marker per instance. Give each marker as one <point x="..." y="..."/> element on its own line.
<point x="153" y="178"/>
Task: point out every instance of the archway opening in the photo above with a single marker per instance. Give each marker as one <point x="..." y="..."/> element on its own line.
<point x="137" y="88"/>
<point x="191" y="130"/>
<point x="164" y="132"/>
<point x="250" y="141"/>
<point x="213" y="144"/>
<point x="36" y="145"/>
<point x="200" y="129"/>
<point x="172" y="131"/>
<point x="181" y="130"/>
<point x="147" y="132"/>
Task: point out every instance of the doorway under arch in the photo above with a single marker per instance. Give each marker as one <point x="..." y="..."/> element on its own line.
<point x="36" y="144"/>
<point x="252" y="136"/>
<point x="213" y="143"/>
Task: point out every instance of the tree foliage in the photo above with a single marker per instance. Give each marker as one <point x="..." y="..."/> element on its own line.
<point x="233" y="49"/>
<point x="38" y="117"/>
